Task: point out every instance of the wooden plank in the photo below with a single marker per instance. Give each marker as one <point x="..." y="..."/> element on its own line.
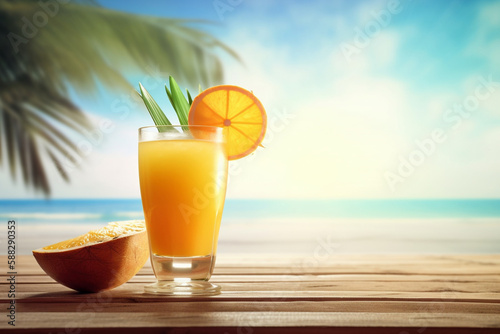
<point x="460" y="265"/>
<point x="438" y="288"/>
<point x="252" y="319"/>
<point x="278" y="306"/>
<point x="493" y="280"/>
<point x="272" y="259"/>
<point x="135" y="294"/>
<point x="260" y="330"/>
<point x="458" y="272"/>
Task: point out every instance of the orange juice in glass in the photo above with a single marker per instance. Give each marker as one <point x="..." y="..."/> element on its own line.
<point x="183" y="177"/>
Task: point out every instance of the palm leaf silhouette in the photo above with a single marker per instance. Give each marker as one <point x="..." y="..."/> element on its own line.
<point x="44" y="52"/>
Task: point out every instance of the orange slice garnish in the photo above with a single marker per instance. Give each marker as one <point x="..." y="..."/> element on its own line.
<point x="235" y="109"/>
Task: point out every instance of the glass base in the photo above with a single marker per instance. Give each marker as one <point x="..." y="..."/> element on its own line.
<point x="180" y="288"/>
<point x="182" y="269"/>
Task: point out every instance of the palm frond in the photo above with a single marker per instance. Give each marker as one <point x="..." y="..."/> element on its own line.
<point x="83" y="46"/>
<point x="28" y="129"/>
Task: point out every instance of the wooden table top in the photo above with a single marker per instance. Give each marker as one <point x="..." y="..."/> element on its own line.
<point x="400" y="294"/>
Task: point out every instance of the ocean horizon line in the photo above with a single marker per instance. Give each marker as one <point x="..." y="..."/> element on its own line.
<point x="110" y="209"/>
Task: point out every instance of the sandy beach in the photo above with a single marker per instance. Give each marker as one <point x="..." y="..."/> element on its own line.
<point x="302" y="236"/>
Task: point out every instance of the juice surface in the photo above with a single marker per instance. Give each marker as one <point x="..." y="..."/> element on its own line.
<point x="183" y="187"/>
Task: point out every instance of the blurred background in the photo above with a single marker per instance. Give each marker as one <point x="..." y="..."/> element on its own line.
<point x="383" y="117"/>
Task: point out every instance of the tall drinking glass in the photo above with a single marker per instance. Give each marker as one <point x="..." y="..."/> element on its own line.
<point x="183" y="177"/>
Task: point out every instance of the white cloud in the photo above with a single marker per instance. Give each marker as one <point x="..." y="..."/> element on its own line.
<point x="352" y="125"/>
<point x="484" y="44"/>
<point x="109" y="166"/>
<point x="110" y="169"/>
<point x="347" y="127"/>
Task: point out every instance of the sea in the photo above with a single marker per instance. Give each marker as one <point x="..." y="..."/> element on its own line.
<point x="287" y="226"/>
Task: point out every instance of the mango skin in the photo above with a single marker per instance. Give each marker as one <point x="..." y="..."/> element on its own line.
<point x="97" y="267"/>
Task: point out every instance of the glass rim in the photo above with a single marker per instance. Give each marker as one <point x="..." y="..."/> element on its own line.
<point x="180" y="132"/>
<point x="179" y="125"/>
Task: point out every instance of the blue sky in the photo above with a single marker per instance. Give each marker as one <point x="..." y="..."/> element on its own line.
<point x="362" y="124"/>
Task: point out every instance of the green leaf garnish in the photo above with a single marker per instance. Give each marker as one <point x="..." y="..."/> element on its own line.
<point x="178" y="101"/>
<point x="190" y="99"/>
<point x="154" y="109"/>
